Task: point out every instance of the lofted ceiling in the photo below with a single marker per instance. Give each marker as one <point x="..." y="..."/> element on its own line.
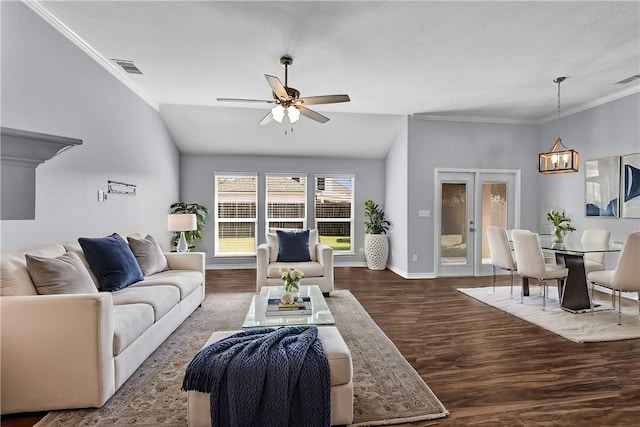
<point x="451" y="60"/>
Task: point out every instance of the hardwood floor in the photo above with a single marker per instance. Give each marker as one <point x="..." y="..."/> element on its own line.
<point x="487" y="367"/>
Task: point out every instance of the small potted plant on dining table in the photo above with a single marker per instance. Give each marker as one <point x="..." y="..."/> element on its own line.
<point x="291" y="277"/>
<point x="561" y="225"/>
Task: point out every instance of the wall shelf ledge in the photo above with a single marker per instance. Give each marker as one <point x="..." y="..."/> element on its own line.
<point x="21" y="152"/>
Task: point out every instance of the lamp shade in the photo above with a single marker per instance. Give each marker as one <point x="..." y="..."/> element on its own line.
<point x="181" y="222"/>
<point x="278" y="113"/>
<point x="293" y="113"/>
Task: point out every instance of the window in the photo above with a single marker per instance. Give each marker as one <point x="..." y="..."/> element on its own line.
<point x="334" y="210"/>
<point x="286" y="201"/>
<point x="235" y="214"/>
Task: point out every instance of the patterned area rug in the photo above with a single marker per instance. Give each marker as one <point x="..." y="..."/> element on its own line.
<point x="582" y="327"/>
<point x="387" y="390"/>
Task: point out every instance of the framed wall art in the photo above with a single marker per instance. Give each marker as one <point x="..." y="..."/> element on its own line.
<point x="630" y="181"/>
<point x="602" y="187"/>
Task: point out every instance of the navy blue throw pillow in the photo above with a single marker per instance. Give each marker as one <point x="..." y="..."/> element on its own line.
<point x="293" y="246"/>
<point x="112" y="262"/>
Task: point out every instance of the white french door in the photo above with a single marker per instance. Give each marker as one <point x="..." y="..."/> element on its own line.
<point x="467" y="202"/>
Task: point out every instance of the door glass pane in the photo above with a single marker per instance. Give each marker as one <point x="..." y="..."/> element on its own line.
<point x="494" y="212"/>
<point x="453" y="241"/>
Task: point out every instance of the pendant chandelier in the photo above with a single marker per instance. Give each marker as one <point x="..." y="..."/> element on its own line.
<point x="559" y="159"/>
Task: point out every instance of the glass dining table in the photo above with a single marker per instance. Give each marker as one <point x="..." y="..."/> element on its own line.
<point x="575" y="294"/>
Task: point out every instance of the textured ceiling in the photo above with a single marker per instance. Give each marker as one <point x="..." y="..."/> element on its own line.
<point x="479" y="61"/>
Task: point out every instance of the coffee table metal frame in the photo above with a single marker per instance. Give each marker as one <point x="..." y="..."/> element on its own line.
<point x="320" y="313"/>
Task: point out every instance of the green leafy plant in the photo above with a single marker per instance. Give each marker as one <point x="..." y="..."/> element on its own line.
<point x="561" y="223"/>
<point x="201" y="221"/>
<point x="376" y="224"/>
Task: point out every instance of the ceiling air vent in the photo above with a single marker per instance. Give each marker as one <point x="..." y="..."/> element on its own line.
<point x="128" y="66"/>
<point x="628" y="79"/>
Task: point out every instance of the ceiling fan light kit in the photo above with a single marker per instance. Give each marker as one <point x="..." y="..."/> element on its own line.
<point x="288" y="102"/>
<point x="559" y="159"/>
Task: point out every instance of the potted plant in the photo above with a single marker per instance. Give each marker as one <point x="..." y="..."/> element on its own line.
<point x="190" y="208"/>
<point x="561" y="225"/>
<point x="376" y="243"/>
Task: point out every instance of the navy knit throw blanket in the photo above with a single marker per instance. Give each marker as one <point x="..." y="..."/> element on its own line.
<point x="265" y="377"/>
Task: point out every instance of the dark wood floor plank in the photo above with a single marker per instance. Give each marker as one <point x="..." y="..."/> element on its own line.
<point x="487" y="367"/>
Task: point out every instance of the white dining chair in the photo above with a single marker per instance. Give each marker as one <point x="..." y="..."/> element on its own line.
<point x="594" y="261"/>
<point x="530" y="263"/>
<point x="500" y="252"/>
<point x="626" y="276"/>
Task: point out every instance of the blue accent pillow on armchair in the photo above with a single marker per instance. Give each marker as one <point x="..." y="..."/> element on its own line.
<point x="112" y="262"/>
<point x="293" y="246"/>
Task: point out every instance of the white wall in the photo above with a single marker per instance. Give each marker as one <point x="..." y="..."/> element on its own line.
<point x="51" y="86"/>
<point x="612" y="129"/>
<point x="464" y="145"/>
<point x="396" y="200"/>
<point x="197" y="186"/>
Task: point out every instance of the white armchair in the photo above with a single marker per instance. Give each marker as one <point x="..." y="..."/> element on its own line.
<point x="317" y="271"/>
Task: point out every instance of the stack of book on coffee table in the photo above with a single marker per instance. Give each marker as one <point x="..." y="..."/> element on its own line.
<point x="300" y="307"/>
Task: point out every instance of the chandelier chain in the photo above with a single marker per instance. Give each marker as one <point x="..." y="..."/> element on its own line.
<point x="558" y="99"/>
<point x="559" y="80"/>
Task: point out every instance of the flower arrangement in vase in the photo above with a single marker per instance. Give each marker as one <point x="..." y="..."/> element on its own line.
<point x="291" y="278"/>
<point x="561" y="225"/>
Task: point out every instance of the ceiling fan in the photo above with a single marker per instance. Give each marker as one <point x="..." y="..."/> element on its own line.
<point x="288" y="101"/>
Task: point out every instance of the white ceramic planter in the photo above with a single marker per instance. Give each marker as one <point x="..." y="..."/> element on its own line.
<point x="376" y="250"/>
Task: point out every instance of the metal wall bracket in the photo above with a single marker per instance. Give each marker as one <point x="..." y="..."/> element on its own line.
<point x="115" y="187"/>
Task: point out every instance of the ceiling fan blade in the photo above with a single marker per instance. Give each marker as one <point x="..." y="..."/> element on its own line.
<point x="310" y="114"/>
<point x="272" y="101"/>
<point x="277" y="87"/>
<point x="266" y="119"/>
<point x="323" y="99"/>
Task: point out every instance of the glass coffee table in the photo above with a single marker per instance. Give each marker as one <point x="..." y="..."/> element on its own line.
<point x="320" y="313"/>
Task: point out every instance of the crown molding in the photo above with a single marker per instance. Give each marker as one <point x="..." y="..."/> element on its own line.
<point x="37" y="7"/>
<point x="474" y="119"/>
<point x="594" y="103"/>
<point x="504" y="120"/>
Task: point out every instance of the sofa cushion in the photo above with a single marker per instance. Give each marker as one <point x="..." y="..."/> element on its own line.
<point x="129" y="322"/>
<point x="161" y="298"/>
<point x="293" y="246"/>
<point x="65" y="274"/>
<point x="148" y="254"/>
<point x="309" y="268"/>
<point x="14" y="274"/>
<point x="185" y="280"/>
<point x="272" y="241"/>
<point x="112" y="261"/>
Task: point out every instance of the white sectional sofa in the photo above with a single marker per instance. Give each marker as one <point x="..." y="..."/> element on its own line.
<point x="74" y="350"/>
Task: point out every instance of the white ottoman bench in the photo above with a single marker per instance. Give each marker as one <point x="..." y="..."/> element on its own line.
<point x="340" y="366"/>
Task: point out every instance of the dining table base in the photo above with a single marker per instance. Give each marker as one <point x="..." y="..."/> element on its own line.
<point x="575" y="295"/>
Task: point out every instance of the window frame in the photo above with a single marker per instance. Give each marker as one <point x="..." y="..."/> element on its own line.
<point x="350" y="220"/>
<point x="218" y="220"/>
<point x="268" y="219"/>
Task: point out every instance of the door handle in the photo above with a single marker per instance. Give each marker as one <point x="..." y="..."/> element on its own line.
<point x="472" y="229"/>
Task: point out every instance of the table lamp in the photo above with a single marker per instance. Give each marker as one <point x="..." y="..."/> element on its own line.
<point x="182" y="223"/>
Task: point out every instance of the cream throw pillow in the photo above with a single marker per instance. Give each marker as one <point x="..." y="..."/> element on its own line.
<point x="148" y="254"/>
<point x="65" y="274"/>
